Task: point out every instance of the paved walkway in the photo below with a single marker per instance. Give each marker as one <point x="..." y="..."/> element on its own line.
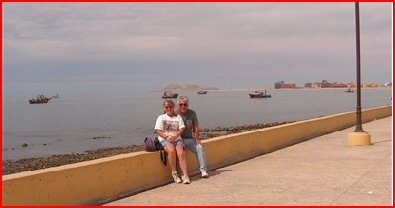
<point x="321" y="171"/>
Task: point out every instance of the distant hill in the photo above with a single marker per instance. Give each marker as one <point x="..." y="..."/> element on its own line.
<point x="186" y="87"/>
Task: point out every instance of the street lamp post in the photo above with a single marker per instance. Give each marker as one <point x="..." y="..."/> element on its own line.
<point x="359" y="136"/>
<point x="358" y="126"/>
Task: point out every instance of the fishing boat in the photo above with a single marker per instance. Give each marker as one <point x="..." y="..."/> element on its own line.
<point x="39" y="99"/>
<point x="260" y="94"/>
<point x="168" y="94"/>
<point x="201" y="92"/>
<point x="349" y="90"/>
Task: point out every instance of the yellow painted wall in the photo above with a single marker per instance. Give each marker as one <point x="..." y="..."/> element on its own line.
<point x="103" y="180"/>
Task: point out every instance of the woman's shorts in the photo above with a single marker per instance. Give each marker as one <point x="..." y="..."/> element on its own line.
<point x="178" y="142"/>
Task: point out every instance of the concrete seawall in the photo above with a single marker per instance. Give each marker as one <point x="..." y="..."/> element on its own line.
<point x="103" y="180"/>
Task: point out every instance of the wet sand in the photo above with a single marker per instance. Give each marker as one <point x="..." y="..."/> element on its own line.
<point x="10" y="166"/>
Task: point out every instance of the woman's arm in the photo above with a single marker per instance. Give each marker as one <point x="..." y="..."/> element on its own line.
<point x="161" y="133"/>
<point x="178" y="134"/>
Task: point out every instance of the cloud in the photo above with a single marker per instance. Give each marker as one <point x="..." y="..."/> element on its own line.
<point x="125" y="39"/>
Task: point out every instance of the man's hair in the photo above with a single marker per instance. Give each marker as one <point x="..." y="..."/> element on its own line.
<point x="183" y="98"/>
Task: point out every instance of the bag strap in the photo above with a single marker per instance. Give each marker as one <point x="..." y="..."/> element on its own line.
<point x="163" y="156"/>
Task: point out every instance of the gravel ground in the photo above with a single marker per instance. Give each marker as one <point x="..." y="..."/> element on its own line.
<point x="10" y="166"/>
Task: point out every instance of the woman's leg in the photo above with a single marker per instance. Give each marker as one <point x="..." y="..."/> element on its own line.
<point x="181" y="158"/>
<point x="183" y="163"/>
<point x="171" y="156"/>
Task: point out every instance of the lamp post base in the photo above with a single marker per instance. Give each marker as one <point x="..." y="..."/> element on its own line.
<point x="359" y="138"/>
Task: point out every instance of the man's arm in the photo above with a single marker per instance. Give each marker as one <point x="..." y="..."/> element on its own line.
<point x="196" y="129"/>
<point x="197" y="134"/>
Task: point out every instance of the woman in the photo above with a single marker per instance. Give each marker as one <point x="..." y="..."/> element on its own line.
<point x="169" y="127"/>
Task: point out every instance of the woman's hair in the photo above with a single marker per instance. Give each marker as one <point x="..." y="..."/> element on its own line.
<point x="168" y="101"/>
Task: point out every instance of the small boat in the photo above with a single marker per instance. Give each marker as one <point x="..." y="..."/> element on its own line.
<point x="168" y="94"/>
<point x="55" y="96"/>
<point x="201" y="92"/>
<point x="39" y="99"/>
<point x="260" y="94"/>
<point x="349" y="90"/>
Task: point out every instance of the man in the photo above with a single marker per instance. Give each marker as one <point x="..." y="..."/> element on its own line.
<point x="191" y="134"/>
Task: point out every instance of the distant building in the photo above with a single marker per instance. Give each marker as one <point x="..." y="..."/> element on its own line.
<point x="339" y="85"/>
<point x="388" y="84"/>
<point x="371" y="85"/>
<point x="277" y="85"/>
<point x="308" y="85"/>
<point x="283" y="85"/>
<point x="326" y="84"/>
<point x="351" y="85"/>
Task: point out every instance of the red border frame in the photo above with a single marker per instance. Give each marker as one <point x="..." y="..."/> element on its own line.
<point x="178" y="1"/>
<point x="157" y="1"/>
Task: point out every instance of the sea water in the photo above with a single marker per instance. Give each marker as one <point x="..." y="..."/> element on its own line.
<point x="75" y="124"/>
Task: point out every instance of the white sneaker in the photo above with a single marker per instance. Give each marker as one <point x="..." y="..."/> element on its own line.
<point x="204" y="174"/>
<point x="175" y="177"/>
<point x="185" y="179"/>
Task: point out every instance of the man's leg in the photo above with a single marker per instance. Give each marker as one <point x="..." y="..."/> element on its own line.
<point x="199" y="152"/>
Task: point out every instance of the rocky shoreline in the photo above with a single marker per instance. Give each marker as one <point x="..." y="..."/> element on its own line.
<point x="10" y="166"/>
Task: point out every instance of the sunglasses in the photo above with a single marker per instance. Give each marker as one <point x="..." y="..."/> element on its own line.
<point x="169" y="107"/>
<point x="183" y="104"/>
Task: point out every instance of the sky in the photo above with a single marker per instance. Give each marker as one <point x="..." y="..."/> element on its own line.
<point x="225" y="45"/>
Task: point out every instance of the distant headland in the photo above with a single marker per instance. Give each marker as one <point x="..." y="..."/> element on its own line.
<point x="186" y="87"/>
